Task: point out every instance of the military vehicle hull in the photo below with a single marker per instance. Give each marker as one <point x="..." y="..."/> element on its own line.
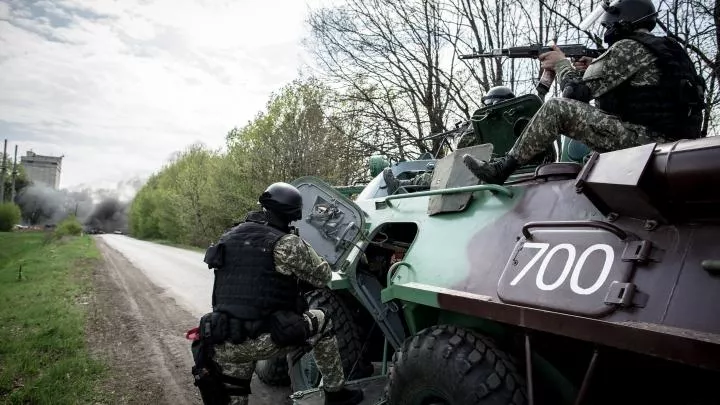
<point x="566" y="267"/>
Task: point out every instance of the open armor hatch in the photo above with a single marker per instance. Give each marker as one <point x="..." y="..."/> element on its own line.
<point x="330" y="222"/>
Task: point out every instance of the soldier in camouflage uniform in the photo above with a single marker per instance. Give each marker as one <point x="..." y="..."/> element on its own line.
<point x="645" y="89"/>
<point x="424" y="179"/>
<point x="257" y="282"/>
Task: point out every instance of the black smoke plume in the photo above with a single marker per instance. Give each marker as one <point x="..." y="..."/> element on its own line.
<point x="98" y="209"/>
<point x="108" y="216"/>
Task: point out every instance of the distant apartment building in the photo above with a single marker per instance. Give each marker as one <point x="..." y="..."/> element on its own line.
<point x="42" y="169"/>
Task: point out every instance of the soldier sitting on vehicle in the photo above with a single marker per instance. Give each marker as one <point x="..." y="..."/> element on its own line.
<point x="259" y="312"/>
<point x="646" y="90"/>
<point x="424" y="179"/>
<point x="420" y="181"/>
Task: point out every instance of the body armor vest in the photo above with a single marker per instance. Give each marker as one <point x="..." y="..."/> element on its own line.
<point x="674" y="107"/>
<point x="247" y="286"/>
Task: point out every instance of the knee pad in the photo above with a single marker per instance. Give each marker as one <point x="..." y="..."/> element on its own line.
<point x="318" y="324"/>
<point x="314" y="323"/>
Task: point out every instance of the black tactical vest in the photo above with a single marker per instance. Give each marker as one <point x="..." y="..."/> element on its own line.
<point x="672" y="108"/>
<point x="247" y="285"/>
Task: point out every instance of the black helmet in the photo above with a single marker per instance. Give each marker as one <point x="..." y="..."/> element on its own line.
<point x="497" y="94"/>
<point x="282" y="199"/>
<point x="622" y="17"/>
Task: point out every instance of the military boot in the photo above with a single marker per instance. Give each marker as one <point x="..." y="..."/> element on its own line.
<point x="345" y="396"/>
<point x="496" y="171"/>
<point x="390" y="181"/>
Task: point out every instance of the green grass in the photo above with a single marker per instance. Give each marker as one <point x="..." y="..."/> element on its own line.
<point x="43" y="355"/>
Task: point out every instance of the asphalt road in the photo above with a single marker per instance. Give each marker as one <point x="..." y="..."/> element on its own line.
<point x="180" y="272"/>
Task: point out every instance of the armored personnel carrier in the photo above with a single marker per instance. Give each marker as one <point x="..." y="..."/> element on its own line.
<point x="593" y="279"/>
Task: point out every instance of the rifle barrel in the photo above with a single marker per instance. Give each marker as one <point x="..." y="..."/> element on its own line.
<point x="532" y="51"/>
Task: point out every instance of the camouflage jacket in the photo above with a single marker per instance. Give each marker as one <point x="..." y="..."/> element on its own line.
<point x="293" y="256"/>
<point x="624" y="60"/>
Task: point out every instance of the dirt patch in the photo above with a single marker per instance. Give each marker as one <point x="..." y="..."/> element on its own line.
<point x="140" y="331"/>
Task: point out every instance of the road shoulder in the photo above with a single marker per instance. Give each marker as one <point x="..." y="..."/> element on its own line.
<point x="140" y="332"/>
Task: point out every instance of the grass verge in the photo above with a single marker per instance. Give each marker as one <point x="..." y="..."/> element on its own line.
<point x="43" y="355"/>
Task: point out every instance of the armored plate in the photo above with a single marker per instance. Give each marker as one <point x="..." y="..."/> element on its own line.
<point x="330" y="222"/>
<point x="450" y="172"/>
<point x="502" y="123"/>
<point x="576" y="271"/>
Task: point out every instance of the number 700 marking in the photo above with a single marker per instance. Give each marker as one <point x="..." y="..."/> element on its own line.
<point x="569" y="268"/>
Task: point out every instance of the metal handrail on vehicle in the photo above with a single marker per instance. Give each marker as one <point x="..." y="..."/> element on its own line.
<point x="622" y="235"/>
<point x="456" y="190"/>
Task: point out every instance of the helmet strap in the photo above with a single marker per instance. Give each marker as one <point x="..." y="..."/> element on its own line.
<point x="277" y="220"/>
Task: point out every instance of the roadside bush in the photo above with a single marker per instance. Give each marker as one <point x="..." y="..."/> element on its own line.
<point x="70" y="226"/>
<point x="9" y="216"/>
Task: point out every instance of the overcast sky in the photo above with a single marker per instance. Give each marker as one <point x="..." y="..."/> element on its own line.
<point x="118" y="85"/>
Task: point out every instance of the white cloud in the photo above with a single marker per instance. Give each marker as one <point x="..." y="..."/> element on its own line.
<point x="118" y="86"/>
<point x="4" y="11"/>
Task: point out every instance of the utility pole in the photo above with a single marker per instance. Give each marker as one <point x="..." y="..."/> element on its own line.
<point x="2" y="173"/>
<point x="14" y="175"/>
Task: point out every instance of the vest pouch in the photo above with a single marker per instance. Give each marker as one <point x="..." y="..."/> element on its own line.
<point x="214" y="327"/>
<point x="236" y="329"/>
<point x="288" y="329"/>
<point x="214" y="256"/>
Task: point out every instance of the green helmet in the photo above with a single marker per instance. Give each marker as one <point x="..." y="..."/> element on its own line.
<point x="497" y="94"/>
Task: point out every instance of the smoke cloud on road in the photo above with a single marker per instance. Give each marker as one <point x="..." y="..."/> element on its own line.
<point x="103" y="209"/>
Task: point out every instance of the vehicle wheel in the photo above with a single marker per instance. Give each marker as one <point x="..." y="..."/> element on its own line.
<point x="273" y="372"/>
<point x="349" y="337"/>
<point x="449" y="365"/>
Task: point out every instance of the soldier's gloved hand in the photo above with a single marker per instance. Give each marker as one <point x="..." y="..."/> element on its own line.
<point x="582" y="63"/>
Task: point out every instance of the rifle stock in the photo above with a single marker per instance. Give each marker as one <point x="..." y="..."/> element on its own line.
<point x="532" y="51"/>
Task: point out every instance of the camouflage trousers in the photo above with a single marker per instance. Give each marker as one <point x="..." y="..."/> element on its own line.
<point x="598" y="130"/>
<point x="239" y="360"/>
<point x="423" y="179"/>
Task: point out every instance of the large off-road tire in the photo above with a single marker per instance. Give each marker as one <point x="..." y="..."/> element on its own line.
<point x="349" y="337"/>
<point x="449" y="365"/>
<point x="273" y="372"/>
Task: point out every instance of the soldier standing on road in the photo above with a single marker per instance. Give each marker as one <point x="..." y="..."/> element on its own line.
<point x="259" y="312"/>
<point x="645" y="88"/>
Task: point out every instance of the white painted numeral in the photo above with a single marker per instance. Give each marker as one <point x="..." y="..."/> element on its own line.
<point x="569" y="269"/>
<point x="543" y="248"/>
<point x="604" y="273"/>
<point x="543" y="266"/>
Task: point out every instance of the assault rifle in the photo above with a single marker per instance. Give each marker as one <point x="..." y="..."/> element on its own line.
<point x="574" y="51"/>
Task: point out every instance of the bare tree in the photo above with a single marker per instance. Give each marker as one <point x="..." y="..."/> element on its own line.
<point x="397" y="69"/>
<point x="398" y="63"/>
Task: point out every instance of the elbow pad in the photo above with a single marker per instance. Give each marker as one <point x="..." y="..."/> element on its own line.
<point x="577" y="90"/>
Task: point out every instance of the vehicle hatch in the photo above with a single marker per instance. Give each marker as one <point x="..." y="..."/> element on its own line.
<point x="330" y="223"/>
